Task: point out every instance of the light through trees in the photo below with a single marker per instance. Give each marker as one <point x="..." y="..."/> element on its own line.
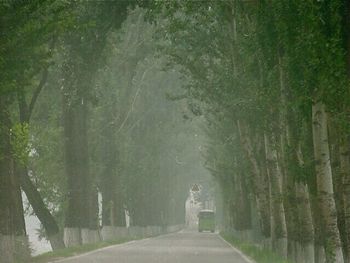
<point x="164" y="108"/>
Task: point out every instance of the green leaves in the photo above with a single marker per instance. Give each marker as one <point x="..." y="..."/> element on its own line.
<point x="29" y="28"/>
<point x="20" y="142"/>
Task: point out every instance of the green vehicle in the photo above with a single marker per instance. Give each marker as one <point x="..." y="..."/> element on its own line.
<point x="206" y="221"/>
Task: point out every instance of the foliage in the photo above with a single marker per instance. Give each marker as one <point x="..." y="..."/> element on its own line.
<point x="259" y="254"/>
<point x="20" y="142"/>
<point x="28" y="28"/>
<point x="263" y="63"/>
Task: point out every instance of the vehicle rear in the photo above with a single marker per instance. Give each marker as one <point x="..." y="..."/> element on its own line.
<point x="206" y="221"/>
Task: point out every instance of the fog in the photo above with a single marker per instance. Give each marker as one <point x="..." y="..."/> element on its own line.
<point x="194" y="128"/>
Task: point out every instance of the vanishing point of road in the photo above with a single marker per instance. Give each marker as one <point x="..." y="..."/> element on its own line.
<point x="181" y="247"/>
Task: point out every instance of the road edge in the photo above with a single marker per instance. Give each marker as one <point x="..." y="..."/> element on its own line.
<point x="111" y="246"/>
<point x="244" y="256"/>
<point x="93" y="251"/>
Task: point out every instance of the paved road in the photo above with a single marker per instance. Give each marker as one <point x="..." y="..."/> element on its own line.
<point x="182" y="247"/>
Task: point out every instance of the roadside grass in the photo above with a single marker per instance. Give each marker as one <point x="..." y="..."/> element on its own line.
<point x="73" y="251"/>
<point x="259" y="255"/>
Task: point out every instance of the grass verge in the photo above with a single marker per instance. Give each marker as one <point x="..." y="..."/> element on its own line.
<point x="259" y="255"/>
<point x="73" y="251"/>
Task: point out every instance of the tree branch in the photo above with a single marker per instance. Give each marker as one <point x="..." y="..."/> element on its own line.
<point x="37" y="92"/>
<point x="41" y="84"/>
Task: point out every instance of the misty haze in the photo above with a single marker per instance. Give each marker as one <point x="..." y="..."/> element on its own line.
<point x="174" y="131"/>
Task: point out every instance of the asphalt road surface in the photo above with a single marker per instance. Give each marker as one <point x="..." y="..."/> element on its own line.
<point x="182" y="247"/>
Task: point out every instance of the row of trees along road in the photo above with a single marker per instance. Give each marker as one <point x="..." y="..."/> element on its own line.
<point x="83" y="111"/>
<point x="272" y="78"/>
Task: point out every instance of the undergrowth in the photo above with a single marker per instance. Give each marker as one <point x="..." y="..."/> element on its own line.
<point x="258" y="254"/>
<point x="73" y="251"/>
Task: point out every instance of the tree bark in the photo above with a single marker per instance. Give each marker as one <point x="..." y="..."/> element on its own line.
<point x="305" y="226"/>
<point x="345" y="144"/>
<point x="260" y="180"/>
<point x="320" y="256"/>
<point x="291" y="214"/>
<point x="325" y="183"/>
<point x="82" y="211"/>
<point x="32" y="193"/>
<point x="13" y="241"/>
<point x="41" y="211"/>
<point x="345" y="176"/>
<point x="306" y="230"/>
<point x="113" y="213"/>
<point x="264" y="206"/>
<point x="77" y="216"/>
<point x="242" y="210"/>
<point x="278" y="219"/>
<point x="286" y="161"/>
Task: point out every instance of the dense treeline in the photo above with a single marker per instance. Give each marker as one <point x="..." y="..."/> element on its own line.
<point x="272" y="79"/>
<point x="84" y="113"/>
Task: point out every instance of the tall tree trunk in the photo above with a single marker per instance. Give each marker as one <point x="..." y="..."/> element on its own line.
<point x="109" y="172"/>
<point x="288" y="189"/>
<point x="260" y="180"/>
<point x="278" y="219"/>
<point x="112" y="206"/>
<point x="338" y="187"/>
<point x="113" y="213"/>
<point x="320" y="255"/>
<point x="77" y="216"/>
<point x="345" y="175"/>
<point x="92" y="234"/>
<point x="286" y="159"/>
<point x="345" y="143"/>
<point x="119" y="209"/>
<point x="107" y="203"/>
<point x="264" y="206"/>
<point x="291" y="215"/>
<point x="243" y="220"/>
<point x="336" y="134"/>
<point x="41" y="211"/>
<point x="305" y="226"/>
<point x="81" y="225"/>
<point x="306" y="231"/>
<point x="325" y="183"/>
<point x="32" y="193"/>
<point x="13" y="240"/>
